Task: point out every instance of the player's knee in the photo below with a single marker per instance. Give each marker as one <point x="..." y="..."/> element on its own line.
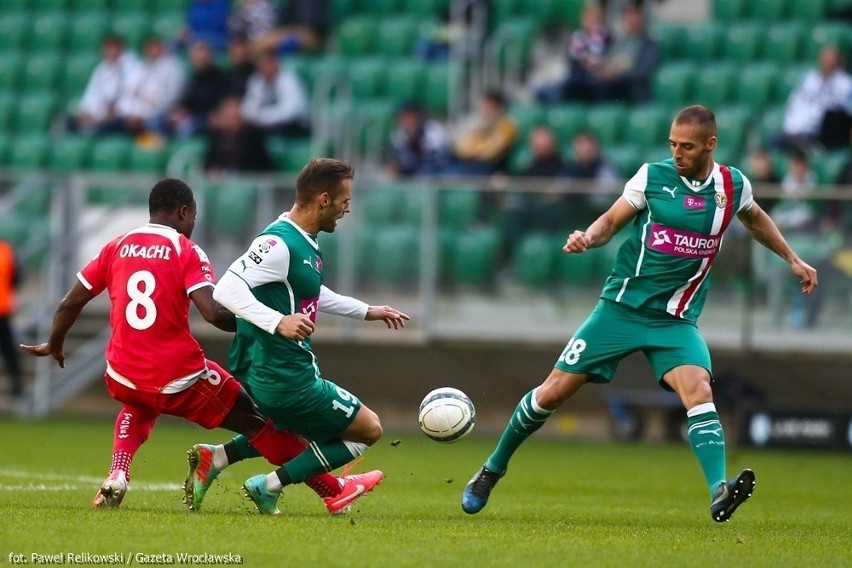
<point x="373" y="431"/>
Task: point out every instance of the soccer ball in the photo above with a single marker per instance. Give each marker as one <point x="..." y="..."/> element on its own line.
<point x="447" y="415"/>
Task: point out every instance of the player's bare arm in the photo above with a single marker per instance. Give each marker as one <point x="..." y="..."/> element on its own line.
<point x="601" y="231"/>
<point x="392" y="317"/>
<point x="212" y="311"/>
<point x="763" y="230"/>
<point x="66" y="314"/>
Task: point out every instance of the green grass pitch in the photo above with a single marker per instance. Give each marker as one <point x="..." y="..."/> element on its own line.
<point x="562" y="504"/>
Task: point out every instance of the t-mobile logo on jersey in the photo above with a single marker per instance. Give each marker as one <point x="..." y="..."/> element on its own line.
<point x="691" y="202"/>
<point x="682" y="243"/>
<point x="309" y="307"/>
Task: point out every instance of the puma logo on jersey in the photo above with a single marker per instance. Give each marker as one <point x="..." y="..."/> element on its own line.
<point x="306" y="261"/>
<point x="670" y="191"/>
<point x="661" y="237"/>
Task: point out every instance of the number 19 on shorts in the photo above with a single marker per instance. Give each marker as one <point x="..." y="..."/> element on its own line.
<point x="571" y="353"/>
<point x="347" y="402"/>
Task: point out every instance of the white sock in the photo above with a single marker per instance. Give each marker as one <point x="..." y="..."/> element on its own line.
<point x="273" y="484"/>
<point x="220" y="458"/>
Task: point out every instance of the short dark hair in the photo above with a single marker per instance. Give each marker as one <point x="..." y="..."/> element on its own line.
<point x="699" y="115"/>
<point x="495" y="96"/>
<point x="322" y="175"/>
<point x="169" y="195"/>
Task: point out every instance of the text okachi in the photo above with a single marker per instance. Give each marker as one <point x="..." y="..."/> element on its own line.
<point x="139" y="251"/>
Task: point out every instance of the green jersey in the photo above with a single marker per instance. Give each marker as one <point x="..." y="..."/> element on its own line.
<point x="665" y="263"/>
<point x="284" y="271"/>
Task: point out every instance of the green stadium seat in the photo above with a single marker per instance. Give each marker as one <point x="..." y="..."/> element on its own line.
<point x="458" y="207"/>
<point x="569" y="11"/>
<point x="148" y="160"/>
<point x="294" y="156"/>
<point x="806" y="11"/>
<point x="742" y="41"/>
<point x="782" y="41"/>
<point x="5" y="145"/>
<point x="342" y="9"/>
<point x="413" y="204"/>
<point x="534" y="260"/>
<point x="647" y="124"/>
<point x="375" y="118"/>
<point x="381" y="8"/>
<point x="502" y="11"/>
<point x="111" y="154"/>
<point x="11" y="64"/>
<point x="29" y="152"/>
<point x="582" y="269"/>
<point x="397" y="35"/>
<point x="831" y="166"/>
<point x="516" y="38"/>
<point x="37" y="202"/>
<point x="366" y="76"/>
<point x="768" y="10"/>
<point x="70" y="153"/>
<point x="86" y="7"/>
<point x="770" y="123"/>
<point x="827" y="33"/>
<point x="86" y="32"/>
<point x="673" y="82"/>
<point x="76" y="72"/>
<point x="329" y="68"/>
<point x="436" y="96"/>
<point x="475" y="256"/>
<point x="520" y="158"/>
<point x="756" y="85"/>
<point x="733" y="122"/>
<point x="168" y="24"/>
<point x="16" y="5"/>
<point x="14" y="31"/>
<point x="44" y="6"/>
<point x="728" y="10"/>
<point x="7" y="110"/>
<point x="231" y="205"/>
<point x="625" y="158"/>
<point x="656" y="153"/>
<point x="166" y="6"/>
<point x="134" y="26"/>
<point x="41" y="72"/>
<point x="438" y="9"/>
<point x="566" y="120"/>
<point x="789" y="79"/>
<point x="703" y="41"/>
<point x="381" y="204"/>
<point x="16" y="229"/>
<point x="528" y="117"/>
<point x="395" y="257"/>
<point x="49" y="32"/>
<point x="671" y="40"/>
<point x="405" y="79"/>
<point x="714" y="84"/>
<point x="34" y="112"/>
<point x="357" y="36"/>
<point x="120" y="6"/>
<point x="607" y="121"/>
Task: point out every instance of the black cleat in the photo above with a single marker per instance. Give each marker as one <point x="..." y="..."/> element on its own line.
<point x="728" y="496"/>
<point x="478" y="489"/>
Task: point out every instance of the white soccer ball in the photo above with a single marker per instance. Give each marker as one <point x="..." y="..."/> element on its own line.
<point x="447" y="415"/>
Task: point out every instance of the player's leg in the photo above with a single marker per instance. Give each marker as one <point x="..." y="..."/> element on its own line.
<point x="133" y="425"/>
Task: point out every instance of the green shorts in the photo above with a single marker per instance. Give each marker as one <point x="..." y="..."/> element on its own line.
<point x="320" y="412"/>
<point x="612" y="332"/>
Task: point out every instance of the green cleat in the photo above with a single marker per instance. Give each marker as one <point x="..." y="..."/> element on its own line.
<point x="265" y="500"/>
<point x="201" y="475"/>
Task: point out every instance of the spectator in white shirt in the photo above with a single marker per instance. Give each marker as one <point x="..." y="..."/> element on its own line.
<point x="97" y="113"/>
<point x="826" y="89"/>
<point x="153" y="89"/>
<point x="276" y="100"/>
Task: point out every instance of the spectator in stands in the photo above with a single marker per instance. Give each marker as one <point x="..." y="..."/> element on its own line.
<point x="276" y="100"/>
<point x="818" y="104"/>
<point x="546" y="159"/>
<point x="253" y="19"/>
<point x="589" y="164"/>
<point x="241" y="66"/>
<point x="418" y="144"/>
<point x="9" y="279"/>
<point x="485" y="139"/>
<point x="152" y="89"/>
<point x="207" y="21"/>
<point x="761" y="168"/>
<point x="235" y="145"/>
<point x="302" y="27"/>
<point x="205" y="90"/>
<point x="627" y="68"/>
<point x="97" y="113"/>
<point x="794" y="212"/>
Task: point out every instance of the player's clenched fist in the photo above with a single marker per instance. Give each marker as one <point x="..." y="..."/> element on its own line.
<point x="295" y="326"/>
<point x="577" y="242"/>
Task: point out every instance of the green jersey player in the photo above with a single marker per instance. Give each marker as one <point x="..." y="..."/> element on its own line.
<point x="276" y="288"/>
<point x="678" y="210"/>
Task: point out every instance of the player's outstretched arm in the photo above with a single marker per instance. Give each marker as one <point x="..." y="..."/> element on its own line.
<point x="66" y="314"/>
<point x="764" y="230"/>
<point x="392" y="317"/>
<point x="212" y="311"/>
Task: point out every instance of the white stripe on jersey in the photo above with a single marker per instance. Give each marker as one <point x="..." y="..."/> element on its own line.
<point x="702" y="272"/>
<point x="641" y="256"/>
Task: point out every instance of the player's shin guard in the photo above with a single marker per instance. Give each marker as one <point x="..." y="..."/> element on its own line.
<point x="322" y="458"/>
<point x="132" y="428"/>
<point x="708" y="442"/>
<point x="526" y="419"/>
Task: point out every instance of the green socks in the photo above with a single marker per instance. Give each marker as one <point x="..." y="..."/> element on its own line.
<point x="526" y="419"/>
<point x="321" y="458"/>
<point x="708" y="442"/>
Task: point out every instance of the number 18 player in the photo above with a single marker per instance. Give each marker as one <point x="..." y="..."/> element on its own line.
<point x="679" y="210"/>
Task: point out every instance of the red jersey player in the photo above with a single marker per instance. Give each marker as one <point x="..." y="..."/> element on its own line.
<point x="154" y="364"/>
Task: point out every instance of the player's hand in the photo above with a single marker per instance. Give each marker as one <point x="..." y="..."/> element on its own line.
<point x="577" y="242"/>
<point x="806" y="274"/>
<point x="392" y="317"/>
<point x="43" y="350"/>
<point x="295" y="326"/>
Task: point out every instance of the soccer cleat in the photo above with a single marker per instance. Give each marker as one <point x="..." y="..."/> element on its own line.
<point x="354" y="486"/>
<point x="730" y="495"/>
<point x="112" y="491"/>
<point x="265" y="500"/>
<point x="201" y="475"/>
<point x="478" y="489"/>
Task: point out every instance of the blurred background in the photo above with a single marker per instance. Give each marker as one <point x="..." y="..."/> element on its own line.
<point x="482" y="133"/>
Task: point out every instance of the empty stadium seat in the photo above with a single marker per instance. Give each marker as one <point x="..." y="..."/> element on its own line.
<point x="703" y="41"/>
<point x="86" y="7"/>
<point x="367" y="76"/>
<point x="475" y="256"/>
<point x="607" y="121"/>
<point x="527" y="117"/>
<point x="673" y="82"/>
<point x="7" y="110"/>
<point x="76" y="71"/>
<point x="111" y="154"/>
<point x="428" y="8"/>
<point x="87" y="31"/>
<point x="565" y="120"/>
<point x="356" y="36"/>
<point x="132" y="25"/>
<point x="230" y="206"/>
<point x="670" y="38"/>
<point x="148" y="160"/>
<point x="534" y="259"/>
<point x="770" y="123"/>
<point x="381" y="204"/>
<point x="397" y="35"/>
<point x="647" y="124"/>
<point x="70" y="153"/>
<point x="395" y="256"/>
<point x="714" y="84"/>
<point x="582" y="269"/>
<point x="41" y="72"/>
<point x="436" y="95"/>
<point x="5" y="144"/>
<point x="49" y="32"/>
<point x="34" y="112"/>
<point x="782" y="41"/>
<point x="728" y="10"/>
<point x="742" y="41"/>
<point x="767" y="10"/>
<point x="458" y="207"/>
<point x="806" y="11"/>
<point x="14" y="31"/>
<point x="625" y="158"/>
<point x="405" y="79"/>
<point x="756" y="84"/>
<point x="825" y="33"/>
<point x="11" y="64"/>
<point x="733" y="123"/>
<point x="29" y="151"/>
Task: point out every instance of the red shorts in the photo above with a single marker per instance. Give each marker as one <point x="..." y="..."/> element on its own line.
<point x="206" y="403"/>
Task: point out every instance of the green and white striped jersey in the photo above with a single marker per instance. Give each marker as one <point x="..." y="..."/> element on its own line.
<point x="665" y="263"/>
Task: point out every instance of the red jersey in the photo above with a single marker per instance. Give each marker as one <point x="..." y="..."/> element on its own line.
<point x="149" y="273"/>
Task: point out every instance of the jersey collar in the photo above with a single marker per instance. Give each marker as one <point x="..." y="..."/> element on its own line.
<point x="696" y="185"/>
<point x="308" y="237"/>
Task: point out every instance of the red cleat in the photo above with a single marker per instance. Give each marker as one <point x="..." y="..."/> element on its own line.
<point x="354" y="486"/>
